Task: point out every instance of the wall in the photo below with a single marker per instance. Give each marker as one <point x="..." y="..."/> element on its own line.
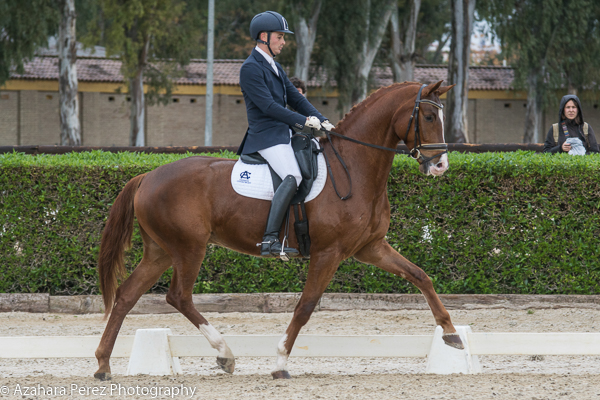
<point x="30" y="117"/>
<point x="105" y="120"/>
<point x="9" y="117"/>
<point x="497" y="121"/>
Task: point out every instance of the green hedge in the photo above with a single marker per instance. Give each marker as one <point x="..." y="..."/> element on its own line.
<point x="494" y="223"/>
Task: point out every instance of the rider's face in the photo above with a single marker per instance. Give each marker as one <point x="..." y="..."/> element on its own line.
<point x="277" y="41"/>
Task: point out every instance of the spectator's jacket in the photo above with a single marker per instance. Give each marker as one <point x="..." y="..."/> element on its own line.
<point x="266" y="96"/>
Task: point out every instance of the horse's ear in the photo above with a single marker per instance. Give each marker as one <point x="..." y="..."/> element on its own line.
<point x="444" y="89"/>
<point x="431" y="88"/>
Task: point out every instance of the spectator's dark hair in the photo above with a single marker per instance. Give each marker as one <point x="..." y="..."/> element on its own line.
<point x="298" y="83"/>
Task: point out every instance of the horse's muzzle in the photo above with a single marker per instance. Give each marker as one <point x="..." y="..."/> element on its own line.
<point x="435" y="168"/>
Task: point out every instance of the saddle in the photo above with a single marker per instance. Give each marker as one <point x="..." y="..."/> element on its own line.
<point x="306" y="151"/>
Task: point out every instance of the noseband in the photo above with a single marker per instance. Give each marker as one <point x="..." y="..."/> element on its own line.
<point x="414" y="153"/>
<point x="416" y="150"/>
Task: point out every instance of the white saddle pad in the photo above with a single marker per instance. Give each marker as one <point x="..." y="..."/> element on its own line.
<point x="255" y="181"/>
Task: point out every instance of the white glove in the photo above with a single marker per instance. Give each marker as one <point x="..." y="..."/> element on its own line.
<point x="313" y="122"/>
<point x="327" y="125"/>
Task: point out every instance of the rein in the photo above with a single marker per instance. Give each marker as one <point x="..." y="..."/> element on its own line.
<point x="414" y="153"/>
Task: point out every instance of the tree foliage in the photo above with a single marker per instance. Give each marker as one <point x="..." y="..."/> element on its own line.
<point x="22" y="30"/>
<point x="552" y="44"/>
<point x="560" y="38"/>
<point x="433" y="25"/>
<point x="344" y="43"/>
<point x="169" y="29"/>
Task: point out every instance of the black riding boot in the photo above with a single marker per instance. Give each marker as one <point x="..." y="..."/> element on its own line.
<point x="271" y="246"/>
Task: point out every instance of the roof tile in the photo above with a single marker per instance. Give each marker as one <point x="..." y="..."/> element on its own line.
<point x="226" y="72"/>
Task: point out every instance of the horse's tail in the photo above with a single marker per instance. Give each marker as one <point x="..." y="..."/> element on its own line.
<point x="116" y="238"/>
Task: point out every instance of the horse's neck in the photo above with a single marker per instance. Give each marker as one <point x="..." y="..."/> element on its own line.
<point x="370" y="167"/>
<point x="371" y="122"/>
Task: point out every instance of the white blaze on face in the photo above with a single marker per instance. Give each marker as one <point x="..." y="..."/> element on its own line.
<point x="441" y="115"/>
<point x="216" y="340"/>
<point x="442" y="164"/>
<point x="282" y="355"/>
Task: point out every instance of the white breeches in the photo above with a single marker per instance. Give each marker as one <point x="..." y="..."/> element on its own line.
<point x="283" y="161"/>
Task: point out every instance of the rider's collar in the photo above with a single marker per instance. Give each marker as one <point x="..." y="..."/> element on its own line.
<point x="269" y="59"/>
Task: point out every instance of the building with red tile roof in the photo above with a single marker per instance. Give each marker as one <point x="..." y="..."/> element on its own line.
<point x="226" y="73"/>
<point x="29" y="104"/>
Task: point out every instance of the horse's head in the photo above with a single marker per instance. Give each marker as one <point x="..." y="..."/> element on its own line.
<point x="423" y="133"/>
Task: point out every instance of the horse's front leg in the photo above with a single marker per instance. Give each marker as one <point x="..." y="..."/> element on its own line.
<point x="382" y="255"/>
<point x="320" y="271"/>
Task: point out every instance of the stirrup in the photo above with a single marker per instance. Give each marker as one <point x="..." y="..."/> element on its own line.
<point x="274" y="248"/>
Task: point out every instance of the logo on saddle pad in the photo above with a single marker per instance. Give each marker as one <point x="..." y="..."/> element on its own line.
<point x="245" y="177"/>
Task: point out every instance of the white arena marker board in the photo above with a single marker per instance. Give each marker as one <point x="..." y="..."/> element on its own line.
<point x="311" y="345"/>
<point x="587" y="344"/>
<point x="59" y="346"/>
<point x="308" y="346"/>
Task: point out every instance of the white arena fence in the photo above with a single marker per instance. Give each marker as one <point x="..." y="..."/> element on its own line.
<point x="156" y="351"/>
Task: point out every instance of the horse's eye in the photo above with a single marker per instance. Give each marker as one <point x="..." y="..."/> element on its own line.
<point x="429" y="118"/>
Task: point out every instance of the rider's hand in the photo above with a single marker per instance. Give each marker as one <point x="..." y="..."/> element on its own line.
<point x="328" y="126"/>
<point x="566" y="147"/>
<point x="313" y="122"/>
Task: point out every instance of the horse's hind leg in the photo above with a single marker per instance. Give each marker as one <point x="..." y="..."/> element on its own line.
<point x="320" y="272"/>
<point x="185" y="272"/>
<point x="154" y="262"/>
<point x="382" y="255"/>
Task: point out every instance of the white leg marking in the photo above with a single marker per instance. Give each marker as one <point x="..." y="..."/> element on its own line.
<point x="216" y="340"/>
<point x="282" y="355"/>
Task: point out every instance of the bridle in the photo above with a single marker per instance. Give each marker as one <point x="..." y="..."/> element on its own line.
<point x="416" y="150"/>
<point x="414" y="153"/>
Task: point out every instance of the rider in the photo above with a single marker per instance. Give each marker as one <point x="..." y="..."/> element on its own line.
<point x="267" y="90"/>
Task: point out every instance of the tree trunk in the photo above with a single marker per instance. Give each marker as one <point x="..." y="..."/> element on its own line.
<point x="533" y="113"/>
<point x="136" y="92"/>
<point x="403" y="55"/>
<point x="396" y="46"/>
<point x="458" y="71"/>
<point x="306" y="32"/>
<point x="70" y="130"/>
<point x="371" y="43"/>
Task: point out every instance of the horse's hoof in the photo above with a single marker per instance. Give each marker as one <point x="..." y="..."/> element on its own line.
<point x="453" y="340"/>
<point x="103" y="376"/>
<point x="281" y="375"/>
<point x="226" y="364"/>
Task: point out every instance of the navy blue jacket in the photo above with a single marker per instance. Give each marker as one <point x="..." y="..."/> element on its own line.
<point x="266" y="96"/>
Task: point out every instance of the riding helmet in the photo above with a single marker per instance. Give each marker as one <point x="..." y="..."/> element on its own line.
<point x="268" y="21"/>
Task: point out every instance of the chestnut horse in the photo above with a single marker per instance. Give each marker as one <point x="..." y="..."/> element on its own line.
<point x="183" y="206"/>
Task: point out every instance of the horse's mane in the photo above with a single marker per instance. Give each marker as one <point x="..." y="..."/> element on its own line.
<point x="374" y="96"/>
